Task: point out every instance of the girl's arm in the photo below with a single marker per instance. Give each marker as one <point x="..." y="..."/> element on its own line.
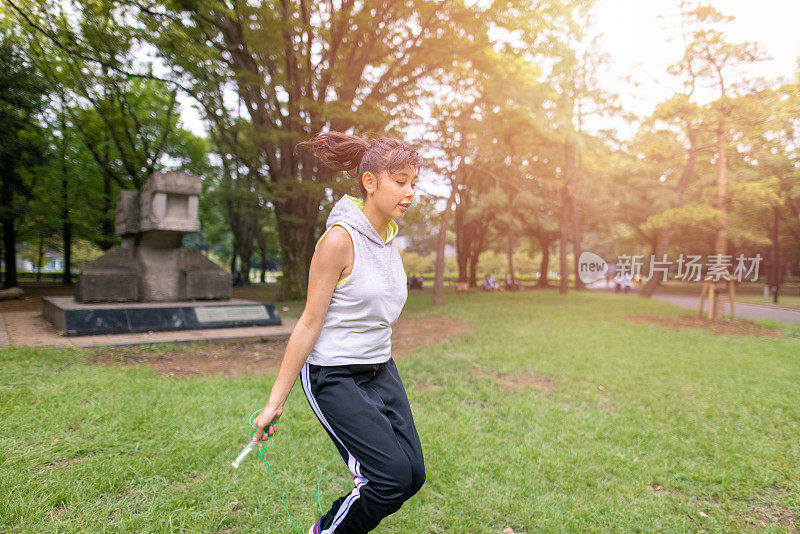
<point x="328" y="262"/>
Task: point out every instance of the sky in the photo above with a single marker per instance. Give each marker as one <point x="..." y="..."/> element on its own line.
<point x="643" y="37"/>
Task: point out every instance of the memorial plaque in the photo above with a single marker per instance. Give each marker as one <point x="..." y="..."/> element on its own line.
<point x="217" y="314"/>
<point x="77" y="319"/>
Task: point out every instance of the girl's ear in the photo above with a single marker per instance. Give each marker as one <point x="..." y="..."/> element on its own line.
<point x="369" y="181"/>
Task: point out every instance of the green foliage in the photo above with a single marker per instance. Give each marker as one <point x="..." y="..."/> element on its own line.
<point x="497" y="91"/>
<point x="22" y="140"/>
<point x="416" y="224"/>
<point x="416" y="264"/>
<point x="692" y="216"/>
<point x="110" y="122"/>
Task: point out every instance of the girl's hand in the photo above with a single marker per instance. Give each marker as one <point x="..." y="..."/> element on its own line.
<point x="267" y="416"/>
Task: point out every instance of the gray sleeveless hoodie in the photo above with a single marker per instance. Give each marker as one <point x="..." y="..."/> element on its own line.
<point x="365" y="305"/>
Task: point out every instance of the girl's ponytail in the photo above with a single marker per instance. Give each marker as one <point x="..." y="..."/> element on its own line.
<point x="337" y="150"/>
<point x="345" y="152"/>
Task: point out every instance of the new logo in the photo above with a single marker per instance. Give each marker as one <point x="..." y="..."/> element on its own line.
<point x="591" y="267"/>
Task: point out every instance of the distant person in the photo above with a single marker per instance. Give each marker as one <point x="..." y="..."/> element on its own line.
<point x="486" y="283"/>
<point x="512" y="284"/>
<point x="415" y="282"/>
<point x="610" y="273"/>
<point x="618" y="280"/>
<point x="490" y="283"/>
<point x="627" y="282"/>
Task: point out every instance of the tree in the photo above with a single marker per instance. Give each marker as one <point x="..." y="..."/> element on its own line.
<point x="683" y="126"/>
<point x="576" y="96"/>
<point x="709" y="58"/>
<point x="491" y="129"/>
<point x="301" y="67"/>
<point x="113" y="122"/>
<point x="22" y="141"/>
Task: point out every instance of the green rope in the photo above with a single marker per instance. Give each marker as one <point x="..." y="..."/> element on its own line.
<point x="262" y="450"/>
<point x="321" y="513"/>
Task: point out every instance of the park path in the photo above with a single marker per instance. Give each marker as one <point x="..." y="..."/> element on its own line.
<point x="746" y="310"/>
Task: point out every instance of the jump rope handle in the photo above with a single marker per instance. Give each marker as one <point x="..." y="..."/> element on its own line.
<point x="254" y="444"/>
<point x="249" y="447"/>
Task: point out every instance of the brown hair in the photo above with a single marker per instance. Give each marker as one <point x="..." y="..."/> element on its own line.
<point x="345" y="152"/>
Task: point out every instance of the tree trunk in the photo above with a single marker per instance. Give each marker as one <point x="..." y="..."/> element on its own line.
<point x="774" y="274"/>
<point x="109" y="215"/>
<point x="576" y="240"/>
<point x="247" y="224"/>
<point x="246" y="264"/>
<point x="9" y="242"/>
<point x="296" y="219"/>
<point x="463" y="239"/>
<point x="564" y="223"/>
<point x="544" y="268"/>
<point x="242" y="214"/>
<point x="262" y="247"/>
<point x="39" y="254"/>
<point x="66" y="237"/>
<point x="562" y="242"/>
<point x="438" y="284"/>
<point x="473" y="272"/>
<point x="244" y="229"/>
<point x="570" y="169"/>
<point x="510" y="253"/>
<point x="66" y="220"/>
<point x="721" y="242"/>
<point x="9" y="234"/>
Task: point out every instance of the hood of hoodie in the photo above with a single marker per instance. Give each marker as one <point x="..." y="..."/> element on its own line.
<point x="349" y="209"/>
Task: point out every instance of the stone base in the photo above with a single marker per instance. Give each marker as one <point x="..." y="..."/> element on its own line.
<point x="76" y="318"/>
<point x="156" y="271"/>
<point x="113" y="277"/>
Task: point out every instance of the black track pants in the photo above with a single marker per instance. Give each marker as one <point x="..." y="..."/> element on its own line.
<point x="365" y="410"/>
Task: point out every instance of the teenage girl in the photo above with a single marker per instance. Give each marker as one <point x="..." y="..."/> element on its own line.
<point x="341" y="345"/>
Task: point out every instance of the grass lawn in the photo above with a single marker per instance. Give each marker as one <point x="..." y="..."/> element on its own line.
<point x="555" y="414"/>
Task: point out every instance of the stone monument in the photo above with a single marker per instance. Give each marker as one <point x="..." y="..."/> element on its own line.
<point x="150" y="267"/>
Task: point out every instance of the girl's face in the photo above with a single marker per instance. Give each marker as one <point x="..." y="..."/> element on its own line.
<point x="396" y="191"/>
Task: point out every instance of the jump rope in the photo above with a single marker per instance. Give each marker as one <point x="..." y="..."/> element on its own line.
<point x="261" y="451"/>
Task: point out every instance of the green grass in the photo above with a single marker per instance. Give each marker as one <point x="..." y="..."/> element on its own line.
<point x="714" y="421"/>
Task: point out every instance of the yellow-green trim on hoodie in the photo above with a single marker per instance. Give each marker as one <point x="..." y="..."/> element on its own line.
<point x="343" y="280"/>
<point x="391" y="231"/>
